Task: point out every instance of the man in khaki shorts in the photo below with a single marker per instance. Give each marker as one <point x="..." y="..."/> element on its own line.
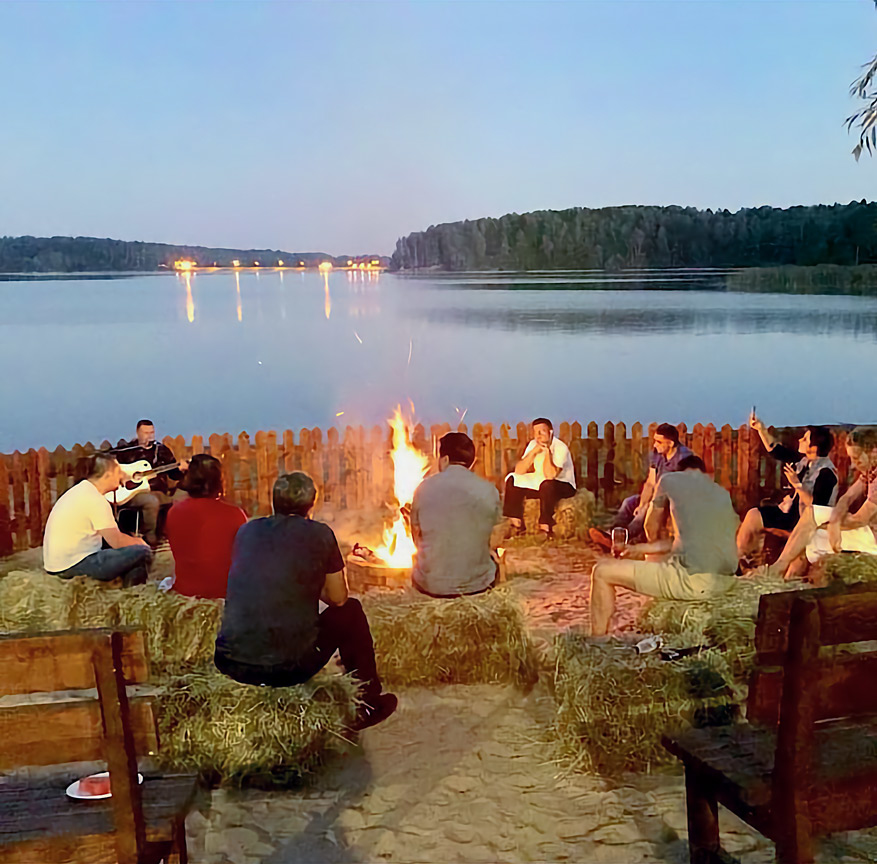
<point x="697" y="564"/>
<point x="824" y="530"/>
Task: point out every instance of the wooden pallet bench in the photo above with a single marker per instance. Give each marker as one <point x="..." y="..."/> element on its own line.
<point x="805" y="762"/>
<point x="140" y="823"/>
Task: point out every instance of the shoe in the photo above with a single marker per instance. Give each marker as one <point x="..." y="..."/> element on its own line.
<point x="371" y="715"/>
<point x="601" y="539"/>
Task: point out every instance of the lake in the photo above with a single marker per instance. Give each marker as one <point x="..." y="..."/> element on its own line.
<point x="84" y="358"/>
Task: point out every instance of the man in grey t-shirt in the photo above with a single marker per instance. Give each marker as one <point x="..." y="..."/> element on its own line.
<point x="452" y="517"/>
<point x="697" y="564"/>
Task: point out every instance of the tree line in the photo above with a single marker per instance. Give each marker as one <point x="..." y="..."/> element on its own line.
<point x="614" y="238"/>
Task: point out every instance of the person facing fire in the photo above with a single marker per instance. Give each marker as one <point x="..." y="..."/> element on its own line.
<point x="272" y="630"/>
<point x="453" y="514"/>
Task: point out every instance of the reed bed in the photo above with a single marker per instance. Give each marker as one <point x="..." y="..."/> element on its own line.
<point x="468" y="640"/>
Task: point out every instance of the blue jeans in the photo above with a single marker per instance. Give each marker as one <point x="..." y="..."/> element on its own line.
<point x="130" y="563"/>
<point x="625" y="519"/>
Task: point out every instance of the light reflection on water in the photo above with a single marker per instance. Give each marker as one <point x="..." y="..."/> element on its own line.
<point x="497" y="347"/>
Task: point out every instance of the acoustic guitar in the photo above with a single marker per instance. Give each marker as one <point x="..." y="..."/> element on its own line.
<point x="136" y="480"/>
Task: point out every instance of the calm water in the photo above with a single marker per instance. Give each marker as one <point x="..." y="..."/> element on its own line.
<point x="85" y="358"/>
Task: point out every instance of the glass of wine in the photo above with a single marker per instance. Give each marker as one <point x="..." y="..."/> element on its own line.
<point x="620" y="536"/>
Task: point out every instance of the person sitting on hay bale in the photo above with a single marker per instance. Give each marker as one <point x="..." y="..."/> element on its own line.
<point x="665" y="457"/>
<point x="453" y="515"/>
<point x="201" y="529"/>
<point x="810" y="472"/>
<point x="82" y="521"/>
<point x="272" y="631"/>
<point x="697" y="564"/>
<point x="545" y="471"/>
<point x="823" y="530"/>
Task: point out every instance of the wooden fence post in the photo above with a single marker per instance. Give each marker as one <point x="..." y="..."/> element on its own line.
<point x="245" y="474"/>
<point x="7" y="545"/>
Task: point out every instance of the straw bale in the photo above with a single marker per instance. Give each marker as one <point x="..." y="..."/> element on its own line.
<point x="209" y="723"/>
<point x="613" y="705"/>
<point x="32" y="600"/>
<point x="849" y="567"/>
<point x="467" y="640"/>
<point x="573" y="516"/>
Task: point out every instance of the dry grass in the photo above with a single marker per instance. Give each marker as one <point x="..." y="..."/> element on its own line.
<point x="468" y="640"/>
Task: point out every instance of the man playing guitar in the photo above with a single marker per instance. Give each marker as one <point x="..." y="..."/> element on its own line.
<point x="162" y="487"/>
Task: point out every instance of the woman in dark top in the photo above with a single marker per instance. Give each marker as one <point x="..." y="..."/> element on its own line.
<point x="811" y="474"/>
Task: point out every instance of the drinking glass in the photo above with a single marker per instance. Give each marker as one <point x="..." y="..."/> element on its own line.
<point x="620" y="537"/>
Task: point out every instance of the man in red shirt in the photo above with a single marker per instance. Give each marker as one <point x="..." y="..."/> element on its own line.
<point x="201" y="531"/>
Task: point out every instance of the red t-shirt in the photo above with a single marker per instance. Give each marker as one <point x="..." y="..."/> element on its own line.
<point x="201" y="532"/>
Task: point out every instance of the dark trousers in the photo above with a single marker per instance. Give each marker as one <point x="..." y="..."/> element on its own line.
<point x="130" y="563"/>
<point x="549" y="493"/>
<point x="341" y="628"/>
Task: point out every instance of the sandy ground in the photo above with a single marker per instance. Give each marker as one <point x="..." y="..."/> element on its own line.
<point x="464" y="774"/>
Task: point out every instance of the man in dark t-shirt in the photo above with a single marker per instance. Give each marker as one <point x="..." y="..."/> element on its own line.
<point x="272" y="631"/>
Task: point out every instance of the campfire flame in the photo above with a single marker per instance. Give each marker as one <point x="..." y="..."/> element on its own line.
<point x="409" y="468"/>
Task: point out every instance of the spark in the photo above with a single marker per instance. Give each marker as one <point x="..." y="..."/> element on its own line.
<point x="410" y="349"/>
<point x="358" y="339"/>
<point x="339" y="413"/>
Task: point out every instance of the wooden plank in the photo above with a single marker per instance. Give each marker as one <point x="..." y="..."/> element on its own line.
<point x="63" y="661"/>
<point x="318" y="461"/>
<point x="607" y="486"/>
<point x="727" y="458"/>
<point x="197" y="445"/>
<point x="848" y="617"/>
<point x="7" y="542"/>
<point x="289" y="461"/>
<point x="709" y="448"/>
<point x="576" y="449"/>
<point x="53" y="733"/>
<point x="19" y="512"/>
<point x="638" y="465"/>
<point x="245" y="475"/>
<point x="44" y="474"/>
<point x="334" y="492"/>
<point x="273" y="467"/>
<point x="741" y="486"/>
<point x="378" y="455"/>
<point x="506" y="453"/>
<point x="263" y="491"/>
<point x="697" y="440"/>
<point x="593" y="450"/>
<point x="623" y="481"/>
<point x="480" y="466"/>
<point x="348" y="468"/>
<point x="34" y="517"/>
<point x="61" y="466"/>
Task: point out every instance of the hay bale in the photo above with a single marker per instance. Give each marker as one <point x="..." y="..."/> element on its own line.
<point x="468" y="640"/>
<point x="613" y="705"/>
<point x="726" y="622"/>
<point x="180" y="631"/>
<point x="849" y="568"/>
<point x="572" y="517"/>
<point x="209" y="723"/>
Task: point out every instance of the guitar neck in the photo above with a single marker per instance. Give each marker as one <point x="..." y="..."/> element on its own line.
<point x="154" y="472"/>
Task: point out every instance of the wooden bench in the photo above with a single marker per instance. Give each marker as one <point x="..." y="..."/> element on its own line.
<point x="140" y="823"/>
<point x="805" y="762"/>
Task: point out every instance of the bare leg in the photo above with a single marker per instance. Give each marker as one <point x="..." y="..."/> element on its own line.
<point x="749" y="533"/>
<point x="605" y="576"/>
<point x="796" y="544"/>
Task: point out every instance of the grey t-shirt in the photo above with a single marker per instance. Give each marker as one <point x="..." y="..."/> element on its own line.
<point x="703" y="519"/>
<point x="453" y="514"/>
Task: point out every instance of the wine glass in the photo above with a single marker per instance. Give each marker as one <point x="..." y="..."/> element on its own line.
<point x="620" y="536"/>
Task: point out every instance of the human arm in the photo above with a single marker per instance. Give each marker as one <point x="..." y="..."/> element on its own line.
<point x="525" y="463"/>
<point x="766" y="438"/>
<point x="660" y="546"/>
<point x="335" y="591"/>
<point x="656" y="515"/>
<point x="645" y="497"/>
<point x="116" y="539"/>
<point x="839" y="518"/>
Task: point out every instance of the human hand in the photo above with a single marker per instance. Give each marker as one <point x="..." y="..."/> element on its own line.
<point x="834" y="536"/>
<point x="184" y="465"/>
<point x="792" y="477"/>
<point x="754" y="422"/>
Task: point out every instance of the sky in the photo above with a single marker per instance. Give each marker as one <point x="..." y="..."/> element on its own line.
<point x="339" y="127"/>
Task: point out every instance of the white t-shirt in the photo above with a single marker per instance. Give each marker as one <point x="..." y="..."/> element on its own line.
<point x="560" y="456"/>
<point x="73" y="525"/>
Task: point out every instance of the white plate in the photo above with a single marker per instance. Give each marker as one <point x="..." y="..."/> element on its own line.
<point x="73" y="789"/>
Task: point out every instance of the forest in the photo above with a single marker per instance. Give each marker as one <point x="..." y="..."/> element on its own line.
<point x="616" y="238"/>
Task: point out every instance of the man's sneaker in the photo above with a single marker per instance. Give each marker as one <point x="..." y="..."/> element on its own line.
<point x="601" y="539"/>
<point x="371" y="715"/>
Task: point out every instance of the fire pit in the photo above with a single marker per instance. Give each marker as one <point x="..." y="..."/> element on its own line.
<point x="365" y="575"/>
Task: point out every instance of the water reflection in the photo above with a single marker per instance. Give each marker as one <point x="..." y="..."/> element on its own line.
<point x="237" y="284"/>
<point x="327" y="304"/>
<point x="190" y="300"/>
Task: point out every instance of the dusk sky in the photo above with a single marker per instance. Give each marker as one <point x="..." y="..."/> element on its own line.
<point x="339" y="126"/>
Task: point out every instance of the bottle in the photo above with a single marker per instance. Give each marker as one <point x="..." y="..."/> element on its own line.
<point x="649" y="644"/>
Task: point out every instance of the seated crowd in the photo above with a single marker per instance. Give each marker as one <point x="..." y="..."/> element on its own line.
<point x="685" y="541"/>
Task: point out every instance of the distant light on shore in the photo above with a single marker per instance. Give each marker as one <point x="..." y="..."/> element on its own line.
<point x="326" y="265"/>
<point x="185" y="264"/>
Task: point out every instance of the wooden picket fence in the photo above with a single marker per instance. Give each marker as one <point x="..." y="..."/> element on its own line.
<point x="353" y="470"/>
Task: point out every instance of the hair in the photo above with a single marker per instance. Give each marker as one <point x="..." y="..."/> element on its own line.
<point x="204" y="477"/>
<point x="821" y="438"/>
<point x="692" y="461"/>
<point x="144" y="422"/>
<point x="98" y="464"/>
<point x="542" y="421"/>
<point x="294" y="494"/>
<point x="458" y="447"/>
<point x="668" y="431"/>
<point x="864" y="437"/>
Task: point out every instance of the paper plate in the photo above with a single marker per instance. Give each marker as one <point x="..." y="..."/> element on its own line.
<point x="73" y="789"/>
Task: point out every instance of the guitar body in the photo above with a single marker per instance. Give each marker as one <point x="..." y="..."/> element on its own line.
<point x="131" y="487"/>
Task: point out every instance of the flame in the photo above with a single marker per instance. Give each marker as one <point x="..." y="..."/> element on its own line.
<point x="409" y="468"/>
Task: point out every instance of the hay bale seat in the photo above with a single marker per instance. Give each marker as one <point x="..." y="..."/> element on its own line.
<point x="612" y="705"/>
<point x="572" y="516"/>
<point x="422" y="641"/>
<point x="207" y="722"/>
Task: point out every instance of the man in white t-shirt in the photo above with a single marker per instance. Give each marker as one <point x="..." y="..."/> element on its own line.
<point x="823" y="530"/>
<point x="81" y="520"/>
<point x="545" y="471"/>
